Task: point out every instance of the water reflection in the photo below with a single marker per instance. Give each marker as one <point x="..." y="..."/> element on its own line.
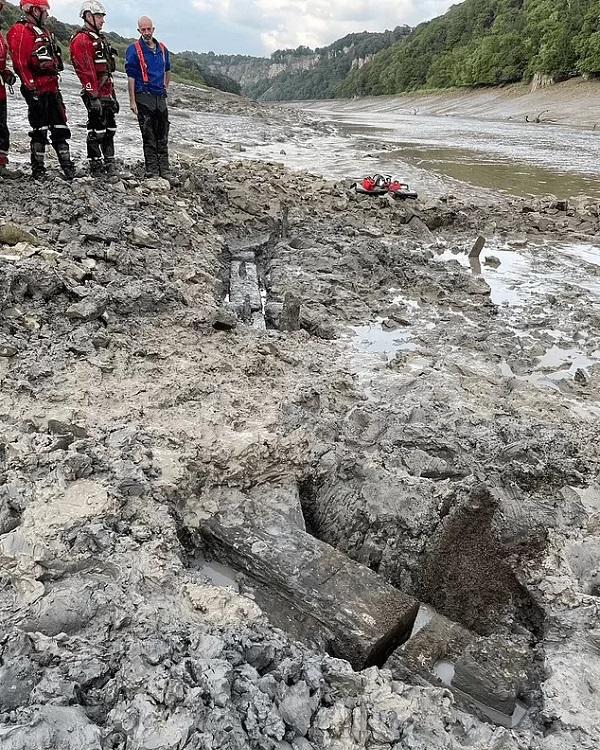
<point x="519" y="158"/>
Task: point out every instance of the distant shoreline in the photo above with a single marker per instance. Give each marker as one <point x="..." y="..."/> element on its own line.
<point x="573" y="103"/>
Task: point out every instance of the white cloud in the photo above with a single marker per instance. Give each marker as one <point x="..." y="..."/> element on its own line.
<point x="315" y="23"/>
<point x="243" y="25"/>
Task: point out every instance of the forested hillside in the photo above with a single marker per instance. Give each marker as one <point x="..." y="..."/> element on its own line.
<point x="487" y="42"/>
<point x="184" y="70"/>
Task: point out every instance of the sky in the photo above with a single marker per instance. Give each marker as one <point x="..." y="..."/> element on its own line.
<point x="256" y="27"/>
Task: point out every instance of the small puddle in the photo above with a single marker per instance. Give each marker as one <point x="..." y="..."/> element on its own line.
<point x="541" y="268"/>
<point x="509" y="282"/>
<point x="373" y="339"/>
<point x="554" y="365"/>
<point x="562" y="362"/>
<point x="444" y="671"/>
<point x="218" y="574"/>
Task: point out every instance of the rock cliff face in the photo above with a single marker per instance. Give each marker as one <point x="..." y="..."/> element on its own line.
<point x="284" y="74"/>
<point x="250" y="71"/>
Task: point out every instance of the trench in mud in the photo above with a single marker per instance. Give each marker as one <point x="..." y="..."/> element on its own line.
<point x="509" y="273"/>
<point x="244" y="276"/>
<point x="205" y="567"/>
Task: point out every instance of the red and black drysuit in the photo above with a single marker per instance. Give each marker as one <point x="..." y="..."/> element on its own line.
<point x="38" y="61"/>
<point x="94" y="61"/>
<point x="6" y="77"/>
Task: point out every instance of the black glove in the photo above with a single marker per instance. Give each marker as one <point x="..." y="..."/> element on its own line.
<point x="9" y="77"/>
<point x="116" y="106"/>
<point x="95" y="105"/>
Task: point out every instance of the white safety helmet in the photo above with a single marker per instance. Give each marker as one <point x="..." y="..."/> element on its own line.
<point x="93" y="7"/>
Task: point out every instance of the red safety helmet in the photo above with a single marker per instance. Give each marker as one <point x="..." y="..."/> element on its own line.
<point x="27" y="5"/>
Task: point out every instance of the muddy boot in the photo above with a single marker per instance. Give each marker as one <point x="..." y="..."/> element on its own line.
<point x="172" y="179"/>
<point x="64" y="159"/>
<point x="163" y="166"/>
<point x="9" y="174"/>
<point x="5" y="172"/>
<point x="38" y="156"/>
<point x="110" y="168"/>
<point x="96" y="168"/>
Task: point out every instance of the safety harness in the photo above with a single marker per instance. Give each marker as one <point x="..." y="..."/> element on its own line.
<point x="47" y="55"/>
<point x="104" y="52"/>
<point x="142" y="59"/>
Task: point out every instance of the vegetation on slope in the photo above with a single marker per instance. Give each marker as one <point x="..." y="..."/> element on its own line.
<point x="487" y="42"/>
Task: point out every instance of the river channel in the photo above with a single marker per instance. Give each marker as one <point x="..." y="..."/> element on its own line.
<point x="518" y="158"/>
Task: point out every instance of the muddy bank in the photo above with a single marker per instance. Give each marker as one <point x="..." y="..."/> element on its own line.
<point x="251" y="437"/>
<point x="573" y="103"/>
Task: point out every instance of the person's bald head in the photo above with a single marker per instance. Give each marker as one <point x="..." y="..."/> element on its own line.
<point x="146" y="28"/>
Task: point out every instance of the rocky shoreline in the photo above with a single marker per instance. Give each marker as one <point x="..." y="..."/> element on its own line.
<point x="195" y="378"/>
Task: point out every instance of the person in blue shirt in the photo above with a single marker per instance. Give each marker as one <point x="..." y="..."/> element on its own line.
<point x="148" y="66"/>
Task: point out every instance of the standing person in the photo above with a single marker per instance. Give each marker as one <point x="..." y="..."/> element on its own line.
<point x="94" y="61"/>
<point x="38" y="61"/>
<point x="7" y="77"/>
<point x="148" y="65"/>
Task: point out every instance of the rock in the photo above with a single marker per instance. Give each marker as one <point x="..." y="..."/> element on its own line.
<point x="143" y="238"/>
<point x="11" y="234"/>
<point x="225" y="318"/>
<point x="395" y="322"/>
<point x="52" y="726"/>
<point x="493" y="672"/>
<point x="420" y="229"/>
<point x="50" y="256"/>
<point x="63" y="423"/>
<point x="317" y="324"/>
<point x="296" y="708"/>
<point x="580" y="376"/>
<point x="86" y="310"/>
<point x="301" y="743"/>
<point x="157" y="184"/>
<point x="65" y="609"/>
<point x="74" y="270"/>
<point x="385" y="725"/>
<point x="492" y="260"/>
<point x="7" y="349"/>
<point x="290" y="313"/>
<point x="273" y="312"/>
<point x="16" y="682"/>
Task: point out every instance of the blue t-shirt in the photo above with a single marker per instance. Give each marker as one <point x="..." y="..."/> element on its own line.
<point x="157" y="64"/>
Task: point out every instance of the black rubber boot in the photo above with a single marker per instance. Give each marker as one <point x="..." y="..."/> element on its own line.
<point x="38" y="157"/>
<point x="110" y="168"/>
<point x="96" y="167"/>
<point x="64" y="159"/>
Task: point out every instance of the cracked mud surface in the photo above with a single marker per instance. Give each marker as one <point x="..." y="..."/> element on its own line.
<point x="426" y="428"/>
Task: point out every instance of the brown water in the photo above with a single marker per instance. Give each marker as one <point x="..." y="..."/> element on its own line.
<point x="519" y="158"/>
